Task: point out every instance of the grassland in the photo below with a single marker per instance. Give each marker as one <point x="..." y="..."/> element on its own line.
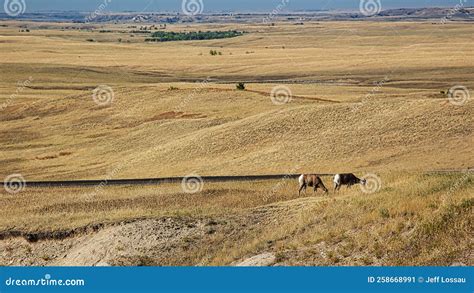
<point x="210" y="128"/>
<point x="366" y="98"/>
<point x="413" y="220"/>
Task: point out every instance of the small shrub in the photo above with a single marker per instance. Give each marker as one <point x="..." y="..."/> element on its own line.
<point x="384" y="213"/>
<point x="332" y="257"/>
<point x="433" y="206"/>
<point x="240" y="86"/>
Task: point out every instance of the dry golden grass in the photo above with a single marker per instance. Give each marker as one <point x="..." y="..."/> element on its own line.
<point x="414" y="219"/>
<point x="403" y="124"/>
<point x="361" y="51"/>
<point x="162" y="123"/>
<point x="225" y="132"/>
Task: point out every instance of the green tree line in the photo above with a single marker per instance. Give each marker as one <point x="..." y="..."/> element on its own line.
<point x="191" y="36"/>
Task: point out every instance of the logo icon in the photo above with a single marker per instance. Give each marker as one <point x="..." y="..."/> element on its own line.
<point x="281" y="95"/>
<point x="14" y="183"/>
<point x="14" y="7"/>
<point x="192" y="7"/>
<point x="370" y="7"/>
<point x="192" y="183"/>
<point x="458" y="95"/>
<point x="103" y="95"/>
<point x="372" y="185"/>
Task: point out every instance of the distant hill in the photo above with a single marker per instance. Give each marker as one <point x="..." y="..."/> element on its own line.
<point x="427" y="13"/>
<point x="448" y="14"/>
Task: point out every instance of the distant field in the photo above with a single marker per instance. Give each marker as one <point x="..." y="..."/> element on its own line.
<point x="354" y="97"/>
<point x="380" y="86"/>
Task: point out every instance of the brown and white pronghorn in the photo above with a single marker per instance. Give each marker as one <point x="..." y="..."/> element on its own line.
<point x="310" y="180"/>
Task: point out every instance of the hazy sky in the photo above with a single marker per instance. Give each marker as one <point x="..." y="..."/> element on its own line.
<point x="224" y="5"/>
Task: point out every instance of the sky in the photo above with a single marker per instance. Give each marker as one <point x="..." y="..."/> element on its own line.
<point x="225" y="5"/>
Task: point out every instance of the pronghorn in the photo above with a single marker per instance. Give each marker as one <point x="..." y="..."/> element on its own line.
<point x="347" y="179"/>
<point x="312" y="181"/>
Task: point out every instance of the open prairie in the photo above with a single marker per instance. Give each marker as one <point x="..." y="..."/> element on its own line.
<point x="95" y="101"/>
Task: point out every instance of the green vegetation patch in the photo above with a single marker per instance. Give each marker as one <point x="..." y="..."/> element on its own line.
<point x="192" y="36"/>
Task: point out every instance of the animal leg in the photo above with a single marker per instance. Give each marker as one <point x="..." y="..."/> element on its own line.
<point x="301" y="188"/>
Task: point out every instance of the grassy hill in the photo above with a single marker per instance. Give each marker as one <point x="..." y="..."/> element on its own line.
<point x="150" y="131"/>
<point x="360" y="97"/>
<point x="413" y="220"/>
